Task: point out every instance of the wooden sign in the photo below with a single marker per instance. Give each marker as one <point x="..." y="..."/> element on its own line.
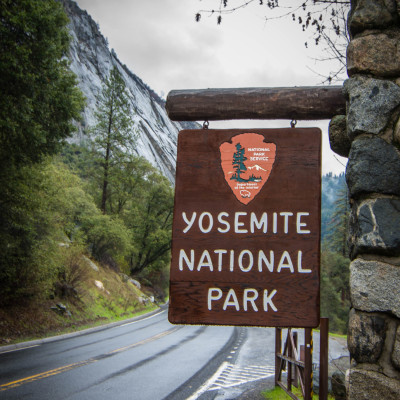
<point x="246" y="229"/>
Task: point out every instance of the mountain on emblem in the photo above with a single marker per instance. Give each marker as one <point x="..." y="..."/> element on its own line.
<point x="247" y="163"/>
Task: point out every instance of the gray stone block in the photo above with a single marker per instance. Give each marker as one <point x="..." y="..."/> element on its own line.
<point x="366" y="336"/>
<point x="373" y="167"/>
<point x="371" y="103"/>
<point x="338" y="139"/>
<point x="375" y="286"/>
<point x="372" y="14"/>
<point x="370" y="385"/>
<point x="375" y="227"/>
<point x="377" y="54"/>
<point x="396" y="350"/>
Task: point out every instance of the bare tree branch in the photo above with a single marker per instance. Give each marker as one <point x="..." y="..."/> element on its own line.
<point x="325" y="18"/>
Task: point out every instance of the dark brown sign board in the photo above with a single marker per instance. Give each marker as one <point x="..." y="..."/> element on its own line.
<point x="246" y="228"/>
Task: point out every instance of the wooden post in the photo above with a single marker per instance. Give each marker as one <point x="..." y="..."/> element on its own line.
<point x="308" y="372"/>
<point x="278" y="349"/>
<point x="323" y="358"/>
<point x="295" y="373"/>
<point x="289" y="365"/>
<point x="299" y="103"/>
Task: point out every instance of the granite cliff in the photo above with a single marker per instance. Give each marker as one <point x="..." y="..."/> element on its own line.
<point x="91" y="61"/>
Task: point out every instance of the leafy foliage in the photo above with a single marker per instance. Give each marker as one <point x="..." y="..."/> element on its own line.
<point x="72" y="272"/>
<point x="107" y="238"/>
<point x="38" y="100"/>
<point x="38" y="93"/>
<point x="135" y="234"/>
<point x="53" y="220"/>
<point x="335" y="291"/>
<point x="150" y="221"/>
<point x="27" y="253"/>
<point x="46" y="206"/>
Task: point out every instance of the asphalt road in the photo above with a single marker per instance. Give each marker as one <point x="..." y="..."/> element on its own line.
<point x="146" y="359"/>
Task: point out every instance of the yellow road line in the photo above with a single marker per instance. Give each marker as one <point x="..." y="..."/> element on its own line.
<point x="46" y="374"/>
<point x="151" y="339"/>
<point x="78" y="364"/>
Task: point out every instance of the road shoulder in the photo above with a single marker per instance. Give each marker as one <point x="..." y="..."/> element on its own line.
<point x="37" y="342"/>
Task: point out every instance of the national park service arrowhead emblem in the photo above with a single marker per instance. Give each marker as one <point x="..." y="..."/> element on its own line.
<point x="247" y="162"/>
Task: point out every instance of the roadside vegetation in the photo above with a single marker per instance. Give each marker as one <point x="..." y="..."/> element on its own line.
<point x="279" y="394"/>
<point x="67" y="237"/>
<point x="335" y="290"/>
<point x="94" y="297"/>
<point x="66" y="207"/>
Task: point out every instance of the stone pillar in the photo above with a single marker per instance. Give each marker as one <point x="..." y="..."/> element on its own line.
<point x="369" y="136"/>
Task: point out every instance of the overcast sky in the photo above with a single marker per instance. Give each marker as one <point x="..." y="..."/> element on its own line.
<point x="160" y="42"/>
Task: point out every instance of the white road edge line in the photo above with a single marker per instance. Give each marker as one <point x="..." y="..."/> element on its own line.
<point x="21" y="348"/>
<point x="208" y="383"/>
<point x="140" y="320"/>
<point x="38" y="342"/>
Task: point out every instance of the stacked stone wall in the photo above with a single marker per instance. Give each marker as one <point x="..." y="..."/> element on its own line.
<point x="369" y="135"/>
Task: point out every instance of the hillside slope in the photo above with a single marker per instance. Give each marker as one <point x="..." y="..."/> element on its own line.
<point x="95" y="295"/>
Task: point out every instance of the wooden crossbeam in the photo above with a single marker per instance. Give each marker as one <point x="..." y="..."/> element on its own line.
<point x="291" y="360"/>
<point x="293" y="103"/>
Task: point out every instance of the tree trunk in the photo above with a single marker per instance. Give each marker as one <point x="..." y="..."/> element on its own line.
<point x="106" y="166"/>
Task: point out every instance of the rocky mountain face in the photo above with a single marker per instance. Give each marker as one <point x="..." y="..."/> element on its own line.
<point x="91" y="61"/>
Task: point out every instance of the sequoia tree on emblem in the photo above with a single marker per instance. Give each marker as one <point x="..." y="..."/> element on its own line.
<point x="247" y="163"/>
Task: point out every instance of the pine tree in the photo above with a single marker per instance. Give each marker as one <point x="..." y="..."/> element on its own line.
<point x="114" y="133"/>
<point x="38" y="93"/>
<point x="238" y="162"/>
<point x="338" y="226"/>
